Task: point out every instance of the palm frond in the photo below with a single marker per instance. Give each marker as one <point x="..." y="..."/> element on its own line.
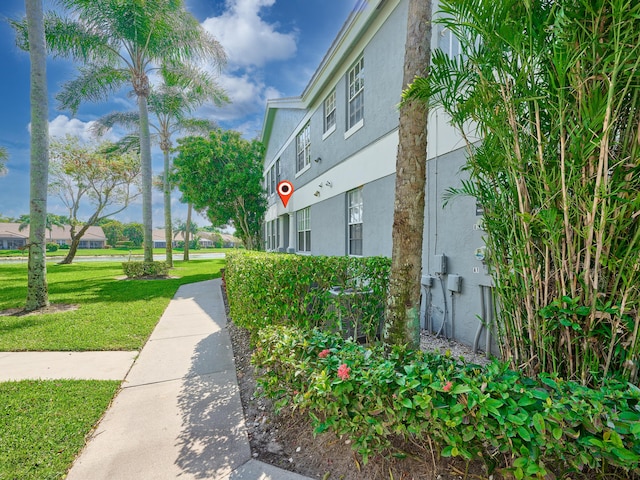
<point x="128" y="120"/>
<point x="94" y="83"/>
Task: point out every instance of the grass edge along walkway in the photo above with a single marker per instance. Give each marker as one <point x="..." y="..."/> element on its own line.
<point x="44" y="423"/>
<point x="113" y="313"/>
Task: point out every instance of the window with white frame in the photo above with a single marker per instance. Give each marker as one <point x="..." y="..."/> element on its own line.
<point x="303" y="223"/>
<point x="449" y="43"/>
<point x="272" y="178"/>
<point x="303" y="148"/>
<point x="355" y="95"/>
<point x="354" y="214"/>
<point x="273" y="235"/>
<point x="330" y="111"/>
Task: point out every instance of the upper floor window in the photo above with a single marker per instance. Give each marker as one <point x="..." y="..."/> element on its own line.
<point x="354" y="213"/>
<point x="330" y="111"/>
<point x="356" y="94"/>
<point x="272" y="178"/>
<point x="303" y="222"/>
<point x="449" y="43"/>
<point x="303" y="148"/>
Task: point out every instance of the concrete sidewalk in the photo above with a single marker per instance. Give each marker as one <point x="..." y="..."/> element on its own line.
<point x="72" y="365"/>
<point x="179" y="413"/>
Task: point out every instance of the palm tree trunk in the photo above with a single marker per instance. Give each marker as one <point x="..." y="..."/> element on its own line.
<point x="37" y="289"/>
<point x="187" y="231"/>
<point x="145" y="160"/>
<point x="168" y="234"/>
<point x="402" y="318"/>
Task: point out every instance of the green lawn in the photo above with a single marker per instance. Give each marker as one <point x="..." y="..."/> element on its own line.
<point x="43" y="424"/>
<point x="92" y="252"/>
<point x="114" y="314"/>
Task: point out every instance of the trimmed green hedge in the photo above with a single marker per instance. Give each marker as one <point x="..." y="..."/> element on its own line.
<point x="530" y="427"/>
<point x="339" y="293"/>
<point x="145" y="269"/>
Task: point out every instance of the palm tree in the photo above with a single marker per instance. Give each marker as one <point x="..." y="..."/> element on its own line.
<point x="3" y="160"/>
<point x="181" y="92"/>
<point x="51" y="221"/>
<point x="402" y="324"/>
<point x="187" y="228"/>
<point x="120" y="42"/>
<point x="37" y="288"/>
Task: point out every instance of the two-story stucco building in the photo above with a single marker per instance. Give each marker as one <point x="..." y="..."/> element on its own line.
<point x="337" y="144"/>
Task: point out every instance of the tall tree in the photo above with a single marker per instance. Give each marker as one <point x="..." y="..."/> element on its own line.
<point x="119" y="42"/>
<point x="180" y="93"/>
<point x="402" y="319"/>
<point x="187" y="229"/>
<point x="553" y="88"/>
<point x="81" y="174"/>
<point x="222" y="177"/>
<point x="37" y="288"/>
<point x="51" y="221"/>
<point x="3" y="161"/>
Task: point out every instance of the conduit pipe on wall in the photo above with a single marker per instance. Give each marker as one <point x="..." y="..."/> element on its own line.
<point x="486" y="319"/>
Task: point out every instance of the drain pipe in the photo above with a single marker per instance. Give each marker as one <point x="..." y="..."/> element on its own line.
<point x="476" y="340"/>
<point x="490" y="322"/>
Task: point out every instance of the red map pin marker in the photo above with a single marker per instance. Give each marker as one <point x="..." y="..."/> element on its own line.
<point x="285" y="190"/>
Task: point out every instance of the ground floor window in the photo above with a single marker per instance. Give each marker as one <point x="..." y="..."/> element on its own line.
<point x="303" y="221"/>
<point x="272" y="236"/>
<point x="354" y="214"/>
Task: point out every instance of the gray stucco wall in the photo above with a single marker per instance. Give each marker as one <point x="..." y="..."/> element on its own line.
<point x="452" y="230"/>
<point x="377" y="206"/>
<point x="329" y="227"/>
<point x="383" y="87"/>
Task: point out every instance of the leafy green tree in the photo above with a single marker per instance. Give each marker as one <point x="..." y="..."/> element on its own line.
<point x="402" y="316"/>
<point x="118" y="42"/>
<point x="37" y="288"/>
<point x="113" y="230"/>
<point x="181" y="92"/>
<point x="222" y="177"/>
<point x="82" y="175"/>
<point x="553" y="88"/>
<point x="134" y="232"/>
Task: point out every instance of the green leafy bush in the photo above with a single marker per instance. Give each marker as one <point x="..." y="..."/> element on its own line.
<point x="145" y="269"/>
<point x="52" y="247"/>
<point x="530" y="427"/>
<point x="342" y="294"/>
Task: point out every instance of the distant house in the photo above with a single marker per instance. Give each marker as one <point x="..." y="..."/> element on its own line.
<point x="12" y="238"/>
<point x="205" y="239"/>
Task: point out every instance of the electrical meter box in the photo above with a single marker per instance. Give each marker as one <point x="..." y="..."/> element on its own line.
<point x="454" y="283"/>
<point x="440" y="264"/>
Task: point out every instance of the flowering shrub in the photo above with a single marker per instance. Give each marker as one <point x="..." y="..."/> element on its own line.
<point x="533" y="428"/>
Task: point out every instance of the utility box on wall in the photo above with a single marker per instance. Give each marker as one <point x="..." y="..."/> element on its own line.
<point x="454" y="283"/>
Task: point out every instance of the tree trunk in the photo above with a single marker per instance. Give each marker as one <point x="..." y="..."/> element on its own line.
<point x="37" y="289"/>
<point x="145" y="163"/>
<point x="75" y="242"/>
<point x="402" y="317"/>
<point x="187" y="231"/>
<point x="168" y="233"/>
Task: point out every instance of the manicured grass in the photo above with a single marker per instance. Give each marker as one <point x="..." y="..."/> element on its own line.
<point x="43" y="424"/>
<point x="114" y="314"/>
<point x="93" y="252"/>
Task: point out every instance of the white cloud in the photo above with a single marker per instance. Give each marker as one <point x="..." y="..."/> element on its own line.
<point x="248" y="97"/>
<point x="246" y="38"/>
<point x="62" y="126"/>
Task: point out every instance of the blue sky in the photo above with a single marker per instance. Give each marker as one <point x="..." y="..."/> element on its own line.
<point x="273" y="48"/>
